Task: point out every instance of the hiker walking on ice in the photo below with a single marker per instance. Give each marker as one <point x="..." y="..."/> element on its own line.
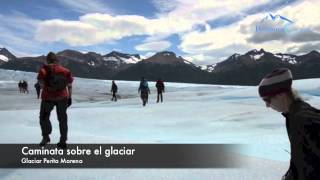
<point x="160" y="89"/>
<point x="56" y="92"/>
<point x="114" y="90"/>
<point x="20" y="87"/>
<point x="302" y="123"/>
<point x="25" y="87"/>
<point x="38" y="88"/>
<point x="144" y="91"/>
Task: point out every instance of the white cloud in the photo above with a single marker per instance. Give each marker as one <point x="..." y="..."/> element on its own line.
<point x="96" y="28"/>
<point x="153" y="46"/>
<point x="84" y="6"/>
<point x="74" y="33"/>
<point x="216" y="55"/>
<point x="198" y="57"/>
<point x="200" y="11"/>
<point x="304" y="48"/>
<point x="147" y="55"/>
<point x="178" y="17"/>
<point x="211" y="39"/>
<point x="305" y="14"/>
<point x="216" y="42"/>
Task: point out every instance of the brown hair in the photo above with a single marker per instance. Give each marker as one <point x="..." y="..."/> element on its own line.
<point x="52" y="58"/>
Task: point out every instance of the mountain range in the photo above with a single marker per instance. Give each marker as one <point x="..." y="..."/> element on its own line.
<point x="245" y="69"/>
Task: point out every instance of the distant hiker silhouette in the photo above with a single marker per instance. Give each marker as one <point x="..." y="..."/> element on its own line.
<point x="24" y="86"/>
<point x="20" y="87"/>
<point x="57" y="90"/>
<point x="160" y="89"/>
<point x="38" y="88"/>
<point x="114" y="89"/>
<point x="144" y="90"/>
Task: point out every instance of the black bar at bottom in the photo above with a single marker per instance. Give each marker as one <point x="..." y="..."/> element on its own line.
<point x="119" y="156"/>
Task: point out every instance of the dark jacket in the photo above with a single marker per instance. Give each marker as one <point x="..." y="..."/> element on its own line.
<point x="303" y="127"/>
<point x="114" y="87"/>
<point x="160" y="86"/>
<point x="37" y="86"/>
<point x="143" y="87"/>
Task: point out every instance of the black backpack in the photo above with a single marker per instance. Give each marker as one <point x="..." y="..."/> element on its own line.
<point x="55" y="81"/>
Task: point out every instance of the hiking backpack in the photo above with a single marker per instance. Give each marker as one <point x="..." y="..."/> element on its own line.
<point x="55" y="81"/>
<point x="144" y="85"/>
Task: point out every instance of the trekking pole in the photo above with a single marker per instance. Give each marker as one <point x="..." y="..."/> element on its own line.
<point x="287" y="151"/>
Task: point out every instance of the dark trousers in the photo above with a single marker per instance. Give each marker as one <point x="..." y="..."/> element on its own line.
<point x="114" y="96"/>
<point x="38" y="93"/>
<point x="159" y="96"/>
<point x="144" y="97"/>
<point x="45" y="110"/>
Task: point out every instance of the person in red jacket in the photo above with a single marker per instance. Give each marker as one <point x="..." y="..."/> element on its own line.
<point x="160" y="89"/>
<point x="56" y="82"/>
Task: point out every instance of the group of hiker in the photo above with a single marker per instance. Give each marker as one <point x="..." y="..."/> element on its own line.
<point x="302" y="120"/>
<point x="55" y="81"/>
<point x="23" y="86"/>
<point x="143" y="89"/>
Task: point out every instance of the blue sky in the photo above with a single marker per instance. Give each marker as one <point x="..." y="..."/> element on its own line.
<point x="202" y="31"/>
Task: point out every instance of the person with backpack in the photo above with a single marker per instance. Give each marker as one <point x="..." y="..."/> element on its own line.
<point x="160" y="89"/>
<point x="114" y="89"/>
<point x="302" y="123"/>
<point x="56" y="82"/>
<point x="38" y="88"/>
<point x="144" y="90"/>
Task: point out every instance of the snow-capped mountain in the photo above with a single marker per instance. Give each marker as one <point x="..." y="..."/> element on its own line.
<point x="245" y="69"/>
<point x="5" y="56"/>
<point x="249" y="68"/>
<point x="289" y="58"/>
<point x="165" y="65"/>
<point x="121" y="58"/>
<point x="257" y="56"/>
<point x="208" y="68"/>
<point x="169" y="58"/>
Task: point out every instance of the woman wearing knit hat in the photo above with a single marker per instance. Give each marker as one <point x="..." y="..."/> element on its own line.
<point x="302" y="123"/>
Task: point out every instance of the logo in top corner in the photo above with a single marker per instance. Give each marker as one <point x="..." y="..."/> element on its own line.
<point x="274" y="23"/>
